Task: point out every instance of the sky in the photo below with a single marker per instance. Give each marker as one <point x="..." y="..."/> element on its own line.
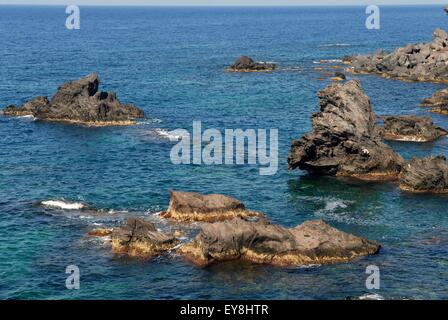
<point x="223" y="2"/>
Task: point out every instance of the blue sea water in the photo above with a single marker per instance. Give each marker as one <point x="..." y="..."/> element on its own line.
<point x="169" y="62"/>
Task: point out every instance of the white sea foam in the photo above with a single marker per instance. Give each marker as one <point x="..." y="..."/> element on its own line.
<point x="333" y="204"/>
<point x="149" y="121"/>
<point x="26" y="117"/>
<point x="329" y="45"/>
<point x="165" y="134"/>
<point x="61" y="204"/>
<point x="327" y="61"/>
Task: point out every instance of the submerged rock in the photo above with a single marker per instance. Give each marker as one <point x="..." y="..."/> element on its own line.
<point x="139" y="238"/>
<point x="345" y="140"/>
<point x="246" y="64"/>
<point x="425" y="175"/>
<point x="80" y="102"/>
<point x="191" y="206"/>
<point x="438" y="102"/>
<point x="313" y="242"/>
<point x="28" y="108"/>
<point x="411" y="128"/>
<point x="414" y="62"/>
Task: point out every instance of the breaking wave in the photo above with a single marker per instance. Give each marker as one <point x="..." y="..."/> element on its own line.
<point x="62" y="204"/>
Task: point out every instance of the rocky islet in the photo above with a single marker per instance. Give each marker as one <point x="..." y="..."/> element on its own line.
<point x="79" y="102"/>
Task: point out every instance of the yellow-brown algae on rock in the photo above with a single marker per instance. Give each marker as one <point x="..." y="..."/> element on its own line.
<point x="191" y="206"/>
<point x="313" y="242"/>
<point x="139" y="238"/>
<point x="100" y="232"/>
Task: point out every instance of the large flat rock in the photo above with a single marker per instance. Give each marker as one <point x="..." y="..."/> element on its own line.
<point x="313" y="242"/>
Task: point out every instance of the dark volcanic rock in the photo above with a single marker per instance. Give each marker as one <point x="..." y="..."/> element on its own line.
<point x="313" y="242"/>
<point x="425" y="175"/>
<point x="190" y="206"/>
<point x="140" y="238"/>
<point x="438" y="102"/>
<point x="345" y="140"/>
<point x="414" y="62"/>
<point x="411" y="128"/>
<point x="27" y="108"/>
<point x="246" y="64"/>
<point x="80" y="102"/>
<point x="339" y="76"/>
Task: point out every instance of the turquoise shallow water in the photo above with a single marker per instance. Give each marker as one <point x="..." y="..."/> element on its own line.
<point x="169" y="62"/>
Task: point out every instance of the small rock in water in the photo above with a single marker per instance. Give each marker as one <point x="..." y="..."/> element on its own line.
<point x="313" y="242"/>
<point x="139" y="238"/>
<point x="246" y="64"/>
<point x="438" y="102"/>
<point x="191" y="206"/>
<point x="411" y="128"/>
<point x="429" y="174"/>
<point x="339" y="76"/>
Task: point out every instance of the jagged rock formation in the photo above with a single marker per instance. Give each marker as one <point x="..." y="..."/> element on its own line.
<point x="425" y="175"/>
<point x="438" y="102"/>
<point x="313" y="242"/>
<point x="246" y="64"/>
<point x="411" y="128"/>
<point x="139" y="238"/>
<point x="345" y="140"/>
<point x="80" y="102"/>
<point x="28" y="108"/>
<point x="414" y="62"/>
<point x="190" y="206"/>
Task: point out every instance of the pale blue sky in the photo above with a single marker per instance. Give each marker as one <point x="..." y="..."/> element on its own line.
<point x="222" y="2"/>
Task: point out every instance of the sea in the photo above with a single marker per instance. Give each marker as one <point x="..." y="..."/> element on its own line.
<point x="170" y="61"/>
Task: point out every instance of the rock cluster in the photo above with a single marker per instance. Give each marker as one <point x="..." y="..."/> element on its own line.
<point x="80" y="102"/>
<point x="438" y="102"/>
<point x="246" y="64"/>
<point x="414" y="62"/>
<point x="425" y="175"/>
<point x="345" y="140"/>
<point x="191" y="206"/>
<point x="313" y="242"/>
<point x="411" y="128"/>
<point x="139" y="238"/>
<point x="235" y="236"/>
